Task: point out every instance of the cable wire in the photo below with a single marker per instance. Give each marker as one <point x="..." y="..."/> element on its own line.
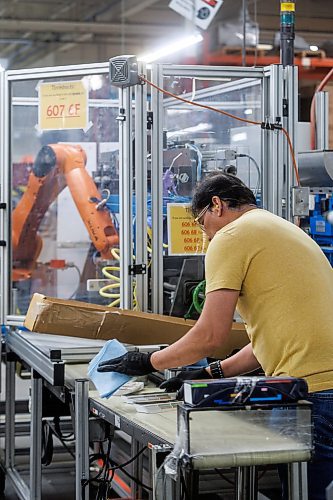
<point x="108" y="471"/>
<point x="244" y="155"/>
<point x="199" y="290"/>
<point x="235" y="117"/>
<point x="137" y="481"/>
<point x="224" y="477"/>
<point x="74" y="266"/>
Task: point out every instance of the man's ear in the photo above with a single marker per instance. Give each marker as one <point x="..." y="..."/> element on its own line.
<point x="217" y="204"/>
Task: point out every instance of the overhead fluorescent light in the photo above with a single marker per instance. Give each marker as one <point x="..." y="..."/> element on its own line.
<point x="174" y="47"/>
<point x="94" y="82"/>
<point x="314" y="48"/>
<point x="264" y="46"/>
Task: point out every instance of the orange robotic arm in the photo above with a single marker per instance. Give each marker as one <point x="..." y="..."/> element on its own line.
<point x="57" y="166"/>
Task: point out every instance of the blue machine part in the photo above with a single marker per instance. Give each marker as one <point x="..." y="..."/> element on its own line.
<point x="113" y="203"/>
<point x="320" y="230"/>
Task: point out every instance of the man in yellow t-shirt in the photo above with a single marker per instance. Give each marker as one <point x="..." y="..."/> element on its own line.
<point x="282" y="285"/>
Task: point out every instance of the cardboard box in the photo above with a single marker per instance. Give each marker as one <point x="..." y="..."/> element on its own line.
<point x="80" y="319"/>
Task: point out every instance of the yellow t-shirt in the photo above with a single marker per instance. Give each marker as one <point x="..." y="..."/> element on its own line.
<point x="286" y="294"/>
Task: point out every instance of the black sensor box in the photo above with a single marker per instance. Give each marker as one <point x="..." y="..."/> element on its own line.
<point x="244" y="390"/>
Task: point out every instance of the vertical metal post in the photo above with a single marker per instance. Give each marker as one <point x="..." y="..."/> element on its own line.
<point x="322" y="119"/>
<point x="10" y="413"/>
<point x="246" y="485"/>
<point x="81" y="439"/>
<point x="265" y="149"/>
<point x="153" y="470"/>
<point x="125" y="197"/>
<point x="157" y="192"/>
<point x="2" y="199"/>
<point x="36" y="437"/>
<point x="244" y="34"/>
<point x="274" y="174"/>
<point x="141" y="190"/>
<point x="137" y="469"/>
<point x="297" y="481"/>
<point x="171" y="488"/>
<point x="5" y="179"/>
<point x="290" y="123"/>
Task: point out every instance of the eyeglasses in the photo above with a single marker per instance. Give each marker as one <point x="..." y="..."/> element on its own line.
<point x="201" y="217"/>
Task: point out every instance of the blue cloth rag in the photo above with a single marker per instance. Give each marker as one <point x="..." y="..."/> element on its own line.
<point x="107" y="382"/>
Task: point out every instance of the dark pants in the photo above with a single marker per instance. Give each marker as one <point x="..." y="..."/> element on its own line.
<point x="320" y="469"/>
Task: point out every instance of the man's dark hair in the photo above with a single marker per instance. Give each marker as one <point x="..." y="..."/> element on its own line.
<point x="227" y="187"/>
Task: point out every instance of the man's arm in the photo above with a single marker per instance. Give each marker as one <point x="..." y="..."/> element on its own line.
<point x="244" y="361"/>
<point x="209" y="332"/>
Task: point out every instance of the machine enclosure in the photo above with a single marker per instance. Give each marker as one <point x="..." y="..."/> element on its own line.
<point x="244" y="390"/>
<point x="80" y="319"/>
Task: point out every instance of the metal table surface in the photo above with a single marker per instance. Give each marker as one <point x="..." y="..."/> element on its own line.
<point x="154" y="429"/>
<point x="49" y="354"/>
<point x="222" y="439"/>
<point x="218" y="444"/>
<point x="44" y="355"/>
<point x="158" y="427"/>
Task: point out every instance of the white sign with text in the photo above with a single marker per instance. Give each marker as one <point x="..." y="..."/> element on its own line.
<point x="201" y="12"/>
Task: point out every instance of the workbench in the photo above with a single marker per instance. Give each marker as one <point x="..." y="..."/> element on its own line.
<point x="157" y="431"/>
<point x="49" y="358"/>
<point x="216" y="442"/>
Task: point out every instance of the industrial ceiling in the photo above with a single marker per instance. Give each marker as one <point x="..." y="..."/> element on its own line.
<point x="45" y="32"/>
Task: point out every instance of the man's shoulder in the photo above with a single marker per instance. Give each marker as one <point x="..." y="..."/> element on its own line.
<point x="252" y="219"/>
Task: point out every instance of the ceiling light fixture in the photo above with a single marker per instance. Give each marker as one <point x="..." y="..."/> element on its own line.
<point x="314" y="48"/>
<point x="264" y="46"/>
<point x="174" y="47"/>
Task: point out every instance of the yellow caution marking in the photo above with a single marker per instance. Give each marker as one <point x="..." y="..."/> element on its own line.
<point x="287" y="6"/>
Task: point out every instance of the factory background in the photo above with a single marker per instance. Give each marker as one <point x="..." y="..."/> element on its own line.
<point x="42" y="34"/>
<point x="98" y="167"/>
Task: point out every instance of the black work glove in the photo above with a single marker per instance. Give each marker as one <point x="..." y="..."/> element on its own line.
<point x="131" y="363"/>
<point x="176" y="383"/>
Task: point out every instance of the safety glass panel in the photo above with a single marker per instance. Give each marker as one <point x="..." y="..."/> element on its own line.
<point x="64" y="192"/>
<point x="200" y="140"/>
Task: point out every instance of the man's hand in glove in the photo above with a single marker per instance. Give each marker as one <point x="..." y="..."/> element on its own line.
<point x="131" y="363"/>
<point x="176" y="383"/>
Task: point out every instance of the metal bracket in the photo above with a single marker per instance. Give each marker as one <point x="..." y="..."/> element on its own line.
<point x="35" y="375"/>
<point x="3" y="205"/>
<point x="55" y="355"/>
<point x="150" y="120"/>
<point x="267" y="125"/>
<point x="121" y="117"/>
<point x="137" y="269"/>
<point x="11" y="356"/>
<point x="300" y="201"/>
<point x="3" y="243"/>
